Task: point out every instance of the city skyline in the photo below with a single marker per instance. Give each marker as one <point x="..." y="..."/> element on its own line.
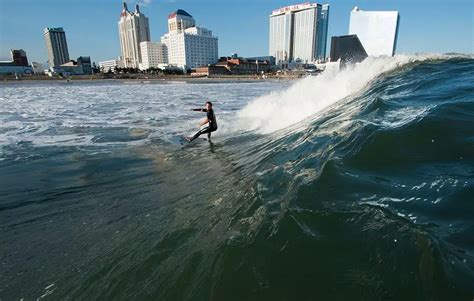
<point x="249" y="38"/>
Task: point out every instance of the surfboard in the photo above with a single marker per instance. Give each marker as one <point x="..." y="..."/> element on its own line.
<point x="182" y="140"/>
<point x="185" y="140"/>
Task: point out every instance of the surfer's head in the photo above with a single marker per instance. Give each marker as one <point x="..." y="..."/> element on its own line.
<point x="208" y="105"/>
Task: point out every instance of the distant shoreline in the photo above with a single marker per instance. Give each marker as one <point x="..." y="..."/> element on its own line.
<point x="142" y="80"/>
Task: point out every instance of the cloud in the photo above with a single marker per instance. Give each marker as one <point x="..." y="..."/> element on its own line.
<point x="148" y="2"/>
<point x="144" y="2"/>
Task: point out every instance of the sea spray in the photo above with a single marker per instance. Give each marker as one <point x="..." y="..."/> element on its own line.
<point x="310" y="95"/>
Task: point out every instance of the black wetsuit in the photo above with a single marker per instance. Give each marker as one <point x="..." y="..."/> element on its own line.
<point x="212" y="125"/>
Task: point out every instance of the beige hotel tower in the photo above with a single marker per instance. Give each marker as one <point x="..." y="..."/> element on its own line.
<point x="133" y="29"/>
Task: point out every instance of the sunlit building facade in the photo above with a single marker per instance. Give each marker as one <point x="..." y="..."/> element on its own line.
<point x="110" y="65"/>
<point x="133" y="29"/>
<point x="299" y="32"/>
<point x="376" y="30"/>
<point x="189" y="46"/>
<point x="153" y="55"/>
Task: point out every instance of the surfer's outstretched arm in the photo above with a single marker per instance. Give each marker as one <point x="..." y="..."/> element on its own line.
<point x="199" y="110"/>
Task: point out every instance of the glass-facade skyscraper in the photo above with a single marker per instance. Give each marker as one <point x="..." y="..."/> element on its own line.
<point x="376" y="30"/>
<point x="299" y="32"/>
<point x="323" y="30"/>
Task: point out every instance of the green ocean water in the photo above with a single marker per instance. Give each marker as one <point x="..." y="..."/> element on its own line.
<point x="369" y="197"/>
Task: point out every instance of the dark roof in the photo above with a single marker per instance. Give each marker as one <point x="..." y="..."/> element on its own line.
<point x="9" y="64"/>
<point x="222" y="64"/>
<point x="180" y="12"/>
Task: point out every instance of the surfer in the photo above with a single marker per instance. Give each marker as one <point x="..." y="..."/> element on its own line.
<point x="210" y="120"/>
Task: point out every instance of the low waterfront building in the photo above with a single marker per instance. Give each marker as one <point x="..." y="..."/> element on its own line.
<point x="37" y="68"/>
<point x="18" y="64"/>
<point x="10" y="68"/>
<point x="234" y="65"/>
<point x="238" y="65"/>
<point x="110" y="65"/>
<point x="210" y="70"/>
<point x="268" y="58"/>
<point x="153" y="55"/>
<point x="19" y="57"/>
<point x="85" y="62"/>
<point x="82" y="66"/>
<point x="66" y="69"/>
<point x="189" y="46"/>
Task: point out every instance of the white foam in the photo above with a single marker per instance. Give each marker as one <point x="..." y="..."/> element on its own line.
<point x="52" y="114"/>
<point x="309" y="96"/>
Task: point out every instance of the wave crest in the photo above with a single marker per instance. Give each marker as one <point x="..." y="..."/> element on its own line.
<point x="307" y="97"/>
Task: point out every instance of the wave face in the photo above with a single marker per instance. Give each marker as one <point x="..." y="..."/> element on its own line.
<point x="306" y="98"/>
<point x="349" y="185"/>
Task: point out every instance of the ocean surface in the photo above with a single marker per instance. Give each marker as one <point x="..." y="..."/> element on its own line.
<point x="351" y="185"/>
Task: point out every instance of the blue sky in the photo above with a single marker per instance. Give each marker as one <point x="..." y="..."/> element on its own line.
<point x="241" y="25"/>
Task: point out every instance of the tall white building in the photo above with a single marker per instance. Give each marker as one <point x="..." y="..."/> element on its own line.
<point x="376" y="30"/>
<point x="189" y="46"/>
<point x="133" y="29"/>
<point x="299" y="32"/>
<point x="153" y="55"/>
<point x="56" y="45"/>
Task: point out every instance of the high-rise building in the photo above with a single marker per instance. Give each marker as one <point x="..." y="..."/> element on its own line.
<point x="56" y="45"/>
<point x="189" y="46"/>
<point x="19" y="57"/>
<point x="179" y="21"/>
<point x="153" y="55"/>
<point x="376" y="30"/>
<point x="133" y="29"/>
<point x="299" y="32"/>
